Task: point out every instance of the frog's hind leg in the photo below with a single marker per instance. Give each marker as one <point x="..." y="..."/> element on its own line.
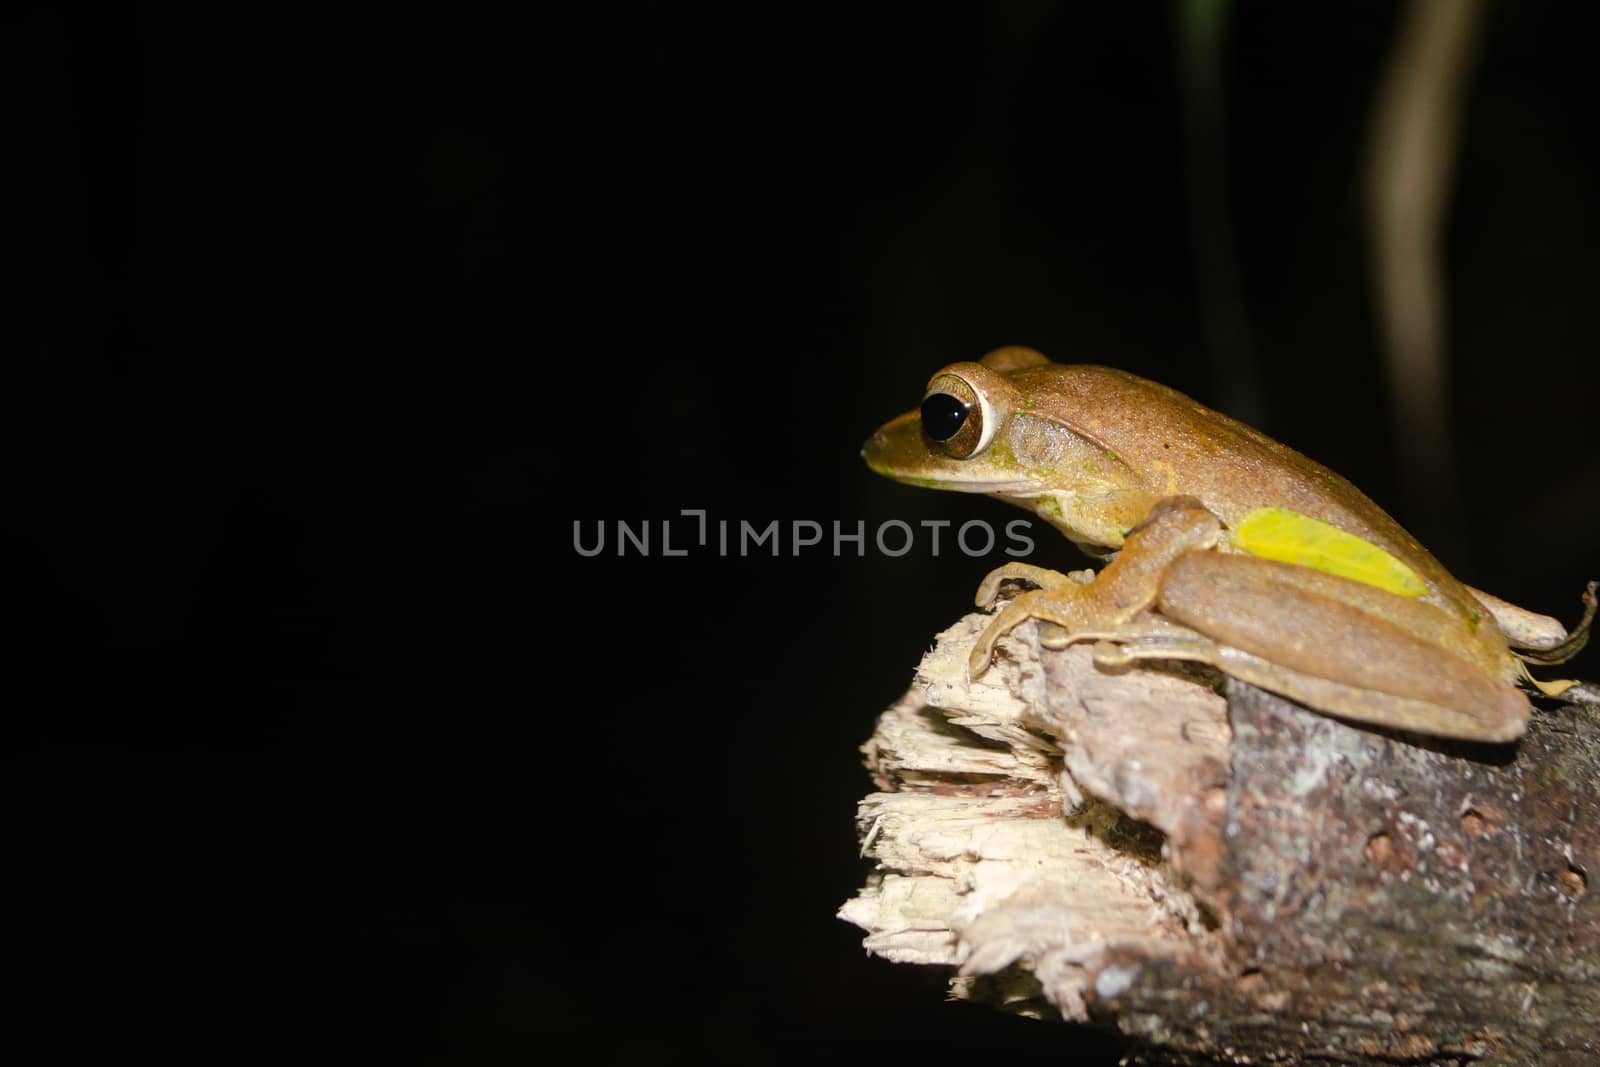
<point x="1541" y="640"/>
<point x="1140" y="642"/>
<point x="1345" y="648"/>
<point x="1546" y="652"/>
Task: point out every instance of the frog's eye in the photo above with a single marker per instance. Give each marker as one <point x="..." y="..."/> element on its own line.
<point x="943" y="416"/>
<point x="956" y="417"/>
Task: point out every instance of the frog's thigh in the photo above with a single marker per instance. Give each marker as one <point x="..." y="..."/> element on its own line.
<point x="1244" y="603"/>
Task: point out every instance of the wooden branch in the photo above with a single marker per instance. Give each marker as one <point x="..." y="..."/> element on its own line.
<point x="1234" y="879"/>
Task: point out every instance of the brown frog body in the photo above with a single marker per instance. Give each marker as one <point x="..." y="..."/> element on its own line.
<point x="1229" y="548"/>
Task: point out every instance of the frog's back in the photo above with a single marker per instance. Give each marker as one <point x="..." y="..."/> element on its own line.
<point x="1180" y="446"/>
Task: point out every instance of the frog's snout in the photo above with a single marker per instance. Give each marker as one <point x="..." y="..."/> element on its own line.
<point x="872" y="452"/>
<point x="896" y="446"/>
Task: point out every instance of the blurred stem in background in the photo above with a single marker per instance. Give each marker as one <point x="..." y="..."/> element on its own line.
<point x="1416" y="125"/>
<point x="1202" y="39"/>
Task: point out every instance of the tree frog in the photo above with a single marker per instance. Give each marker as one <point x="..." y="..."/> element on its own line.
<point x="1224" y="547"/>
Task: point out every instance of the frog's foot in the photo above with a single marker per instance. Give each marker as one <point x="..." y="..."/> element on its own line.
<point x="1574" y="642"/>
<point x="1572" y="690"/>
<point x="1147" y="637"/>
<point x="1082" y="601"/>
<point x="1065" y="606"/>
<point x="1041" y="577"/>
<point x="1556" y="687"/>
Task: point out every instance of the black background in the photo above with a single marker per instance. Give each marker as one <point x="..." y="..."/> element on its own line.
<point x="329" y="322"/>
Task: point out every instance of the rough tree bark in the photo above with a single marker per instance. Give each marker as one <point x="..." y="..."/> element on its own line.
<point x="1234" y="878"/>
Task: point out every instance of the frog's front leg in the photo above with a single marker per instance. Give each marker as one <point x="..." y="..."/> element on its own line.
<point x="1043" y="577"/>
<point x="1126" y="586"/>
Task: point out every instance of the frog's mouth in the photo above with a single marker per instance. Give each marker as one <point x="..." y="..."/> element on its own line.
<point x="899" y="452"/>
<point x="1021" y="493"/>
<point x="1044" y="501"/>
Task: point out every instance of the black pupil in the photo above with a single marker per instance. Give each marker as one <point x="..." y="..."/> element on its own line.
<point x="942" y="416"/>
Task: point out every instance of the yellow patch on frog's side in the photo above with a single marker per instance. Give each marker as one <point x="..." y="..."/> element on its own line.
<point x="1290" y="537"/>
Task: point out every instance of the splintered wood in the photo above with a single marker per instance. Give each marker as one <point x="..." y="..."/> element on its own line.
<point x="990" y="856"/>
<point x="1235" y="879"/>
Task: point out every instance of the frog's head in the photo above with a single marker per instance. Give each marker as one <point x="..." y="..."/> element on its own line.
<point x="995" y="427"/>
<point x="954" y="441"/>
